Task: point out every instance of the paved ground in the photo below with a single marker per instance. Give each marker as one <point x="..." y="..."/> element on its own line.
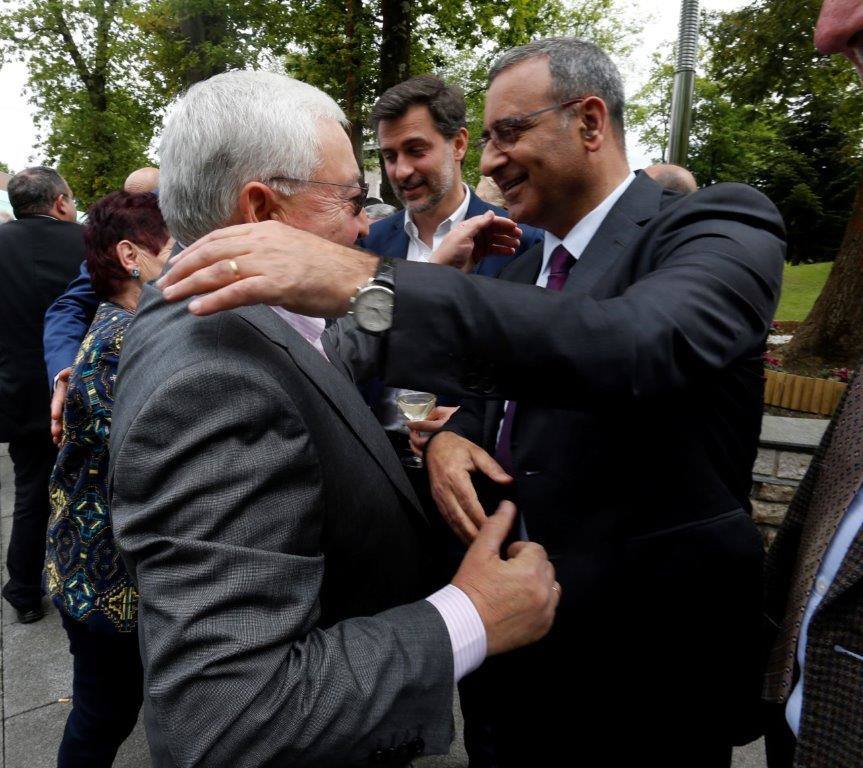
<point x="37" y="681"/>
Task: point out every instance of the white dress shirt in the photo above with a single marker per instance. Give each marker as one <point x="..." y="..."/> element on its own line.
<point x="841" y="542"/>
<point x="576" y="240"/>
<point x="417" y="249"/>
<point x="463" y="624"/>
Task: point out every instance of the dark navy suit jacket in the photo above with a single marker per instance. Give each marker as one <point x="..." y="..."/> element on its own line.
<point x="387" y="237"/>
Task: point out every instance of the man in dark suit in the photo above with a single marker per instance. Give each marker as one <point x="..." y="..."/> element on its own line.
<point x="814" y="574"/>
<point x="280" y="552"/>
<point x="630" y="362"/>
<point x="421" y="126"/>
<point x="39" y="254"/>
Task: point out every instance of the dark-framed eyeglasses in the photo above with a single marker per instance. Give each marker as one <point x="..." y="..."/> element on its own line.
<point x="506" y="132"/>
<point x="358" y="201"/>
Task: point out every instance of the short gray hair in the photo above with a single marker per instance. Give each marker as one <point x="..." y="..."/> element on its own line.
<point x="578" y="68"/>
<point x="229" y="130"/>
<point x="34" y="190"/>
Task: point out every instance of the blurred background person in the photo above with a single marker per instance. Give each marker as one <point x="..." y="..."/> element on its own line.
<point x="673" y="177"/>
<point x="490" y="192"/>
<point x="5" y="217"/>
<point x="142" y="180"/>
<point x="127" y="244"/>
<point x="41" y="251"/>
<point x="378" y="211"/>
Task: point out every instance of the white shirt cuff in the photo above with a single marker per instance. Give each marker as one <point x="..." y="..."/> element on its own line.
<point x="465" y="627"/>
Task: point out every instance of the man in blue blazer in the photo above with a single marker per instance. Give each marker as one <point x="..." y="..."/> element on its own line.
<point x="421" y="129"/>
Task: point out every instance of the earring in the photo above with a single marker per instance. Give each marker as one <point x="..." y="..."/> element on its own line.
<point x="135" y="273"/>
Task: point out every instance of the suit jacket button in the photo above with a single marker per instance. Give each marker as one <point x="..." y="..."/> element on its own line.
<point x="404" y="751"/>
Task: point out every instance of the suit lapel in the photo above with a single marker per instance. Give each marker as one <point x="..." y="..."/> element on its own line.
<point x="620" y="227"/>
<point x="396" y="245"/>
<point x="525" y="268"/>
<point x="338" y="391"/>
<point x="476" y="206"/>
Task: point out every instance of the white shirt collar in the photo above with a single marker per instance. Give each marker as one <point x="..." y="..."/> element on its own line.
<point x="576" y="240"/>
<point x="443" y="229"/>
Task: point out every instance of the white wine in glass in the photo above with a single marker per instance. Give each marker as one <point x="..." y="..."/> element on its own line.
<point x="415" y="406"/>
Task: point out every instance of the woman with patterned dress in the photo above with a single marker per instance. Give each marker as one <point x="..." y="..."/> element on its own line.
<point x="126" y="244"/>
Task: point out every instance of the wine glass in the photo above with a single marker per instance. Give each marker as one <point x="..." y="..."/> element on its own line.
<point x="415" y="406"/>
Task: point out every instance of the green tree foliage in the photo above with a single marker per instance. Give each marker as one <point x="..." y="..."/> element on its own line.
<point x="102" y="71"/>
<point x="4" y="168"/>
<point x="96" y="113"/>
<point x="604" y="22"/>
<point x="355" y="49"/>
<point x="772" y="112"/>
<point x="192" y="40"/>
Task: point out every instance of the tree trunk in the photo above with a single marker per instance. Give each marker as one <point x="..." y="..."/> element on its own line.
<point x="833" y="330"/>
<point x="395" y="61"/>
<point x="353" y="62"/>
<point x="202" y="32"/>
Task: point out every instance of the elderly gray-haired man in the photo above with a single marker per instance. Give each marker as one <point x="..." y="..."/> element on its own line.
<point x="280" y="552"/>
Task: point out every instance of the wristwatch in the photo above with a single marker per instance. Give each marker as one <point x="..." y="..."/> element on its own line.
<point x="372" y="304"/>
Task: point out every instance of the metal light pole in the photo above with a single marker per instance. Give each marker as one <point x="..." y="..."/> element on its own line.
<point x="684" y="83"/>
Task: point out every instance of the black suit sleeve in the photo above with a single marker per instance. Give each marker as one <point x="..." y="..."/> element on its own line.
<point x="702" y="293"/>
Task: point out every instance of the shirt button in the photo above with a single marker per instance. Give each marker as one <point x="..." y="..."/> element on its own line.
<point x="821" y="585"/>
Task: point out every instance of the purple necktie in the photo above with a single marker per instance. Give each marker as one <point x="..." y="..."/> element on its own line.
<point x="559" y="266"/>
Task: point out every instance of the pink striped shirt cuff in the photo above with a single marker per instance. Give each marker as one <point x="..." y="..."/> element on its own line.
<point x="465" y="627"/>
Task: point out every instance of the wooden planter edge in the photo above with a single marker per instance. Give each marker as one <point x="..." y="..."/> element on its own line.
<point x="802" y="393"/>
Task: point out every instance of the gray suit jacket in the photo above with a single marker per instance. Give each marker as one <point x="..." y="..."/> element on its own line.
<point x="278" y="548"/>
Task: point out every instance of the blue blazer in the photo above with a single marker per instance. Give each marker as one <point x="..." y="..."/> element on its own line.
<point x="66" y="323"/>
<point x="387" y="237"/>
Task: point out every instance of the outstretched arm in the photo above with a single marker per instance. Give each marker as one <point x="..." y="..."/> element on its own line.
<point x="66" y="323"/>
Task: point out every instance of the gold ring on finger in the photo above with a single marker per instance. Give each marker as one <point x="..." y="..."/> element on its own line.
<point x="234" y="268"/>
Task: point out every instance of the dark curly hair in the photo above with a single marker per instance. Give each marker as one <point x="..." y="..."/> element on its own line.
<point x="116" y="217"/>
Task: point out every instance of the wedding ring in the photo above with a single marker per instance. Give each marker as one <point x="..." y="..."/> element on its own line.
<point x="234" y="268"/>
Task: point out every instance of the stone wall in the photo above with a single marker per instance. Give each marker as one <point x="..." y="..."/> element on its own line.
<point x="784" y="452"/>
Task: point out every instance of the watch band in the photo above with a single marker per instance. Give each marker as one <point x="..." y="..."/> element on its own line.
<point x="385" y="274"/>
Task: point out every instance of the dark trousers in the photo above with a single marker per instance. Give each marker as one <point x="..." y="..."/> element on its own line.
<point x="107" y="691"/>
<point x="33" y="458"/>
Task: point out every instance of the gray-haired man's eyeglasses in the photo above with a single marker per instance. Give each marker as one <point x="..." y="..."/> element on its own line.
<point x="358" y="201"/>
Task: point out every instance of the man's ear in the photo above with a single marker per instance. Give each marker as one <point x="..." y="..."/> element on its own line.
<point x="257" y="202"/>
<point x="63" y="206"/>
<point x="594" y="123"/>
<point x="459" y="144"/>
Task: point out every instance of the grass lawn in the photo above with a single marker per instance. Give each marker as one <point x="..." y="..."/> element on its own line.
<point x="800" y="287"/>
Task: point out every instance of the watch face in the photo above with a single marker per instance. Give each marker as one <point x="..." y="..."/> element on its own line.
<point x="373" y="309"/>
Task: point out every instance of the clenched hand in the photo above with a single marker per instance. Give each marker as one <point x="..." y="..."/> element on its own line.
<point x="516" y="598"/>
